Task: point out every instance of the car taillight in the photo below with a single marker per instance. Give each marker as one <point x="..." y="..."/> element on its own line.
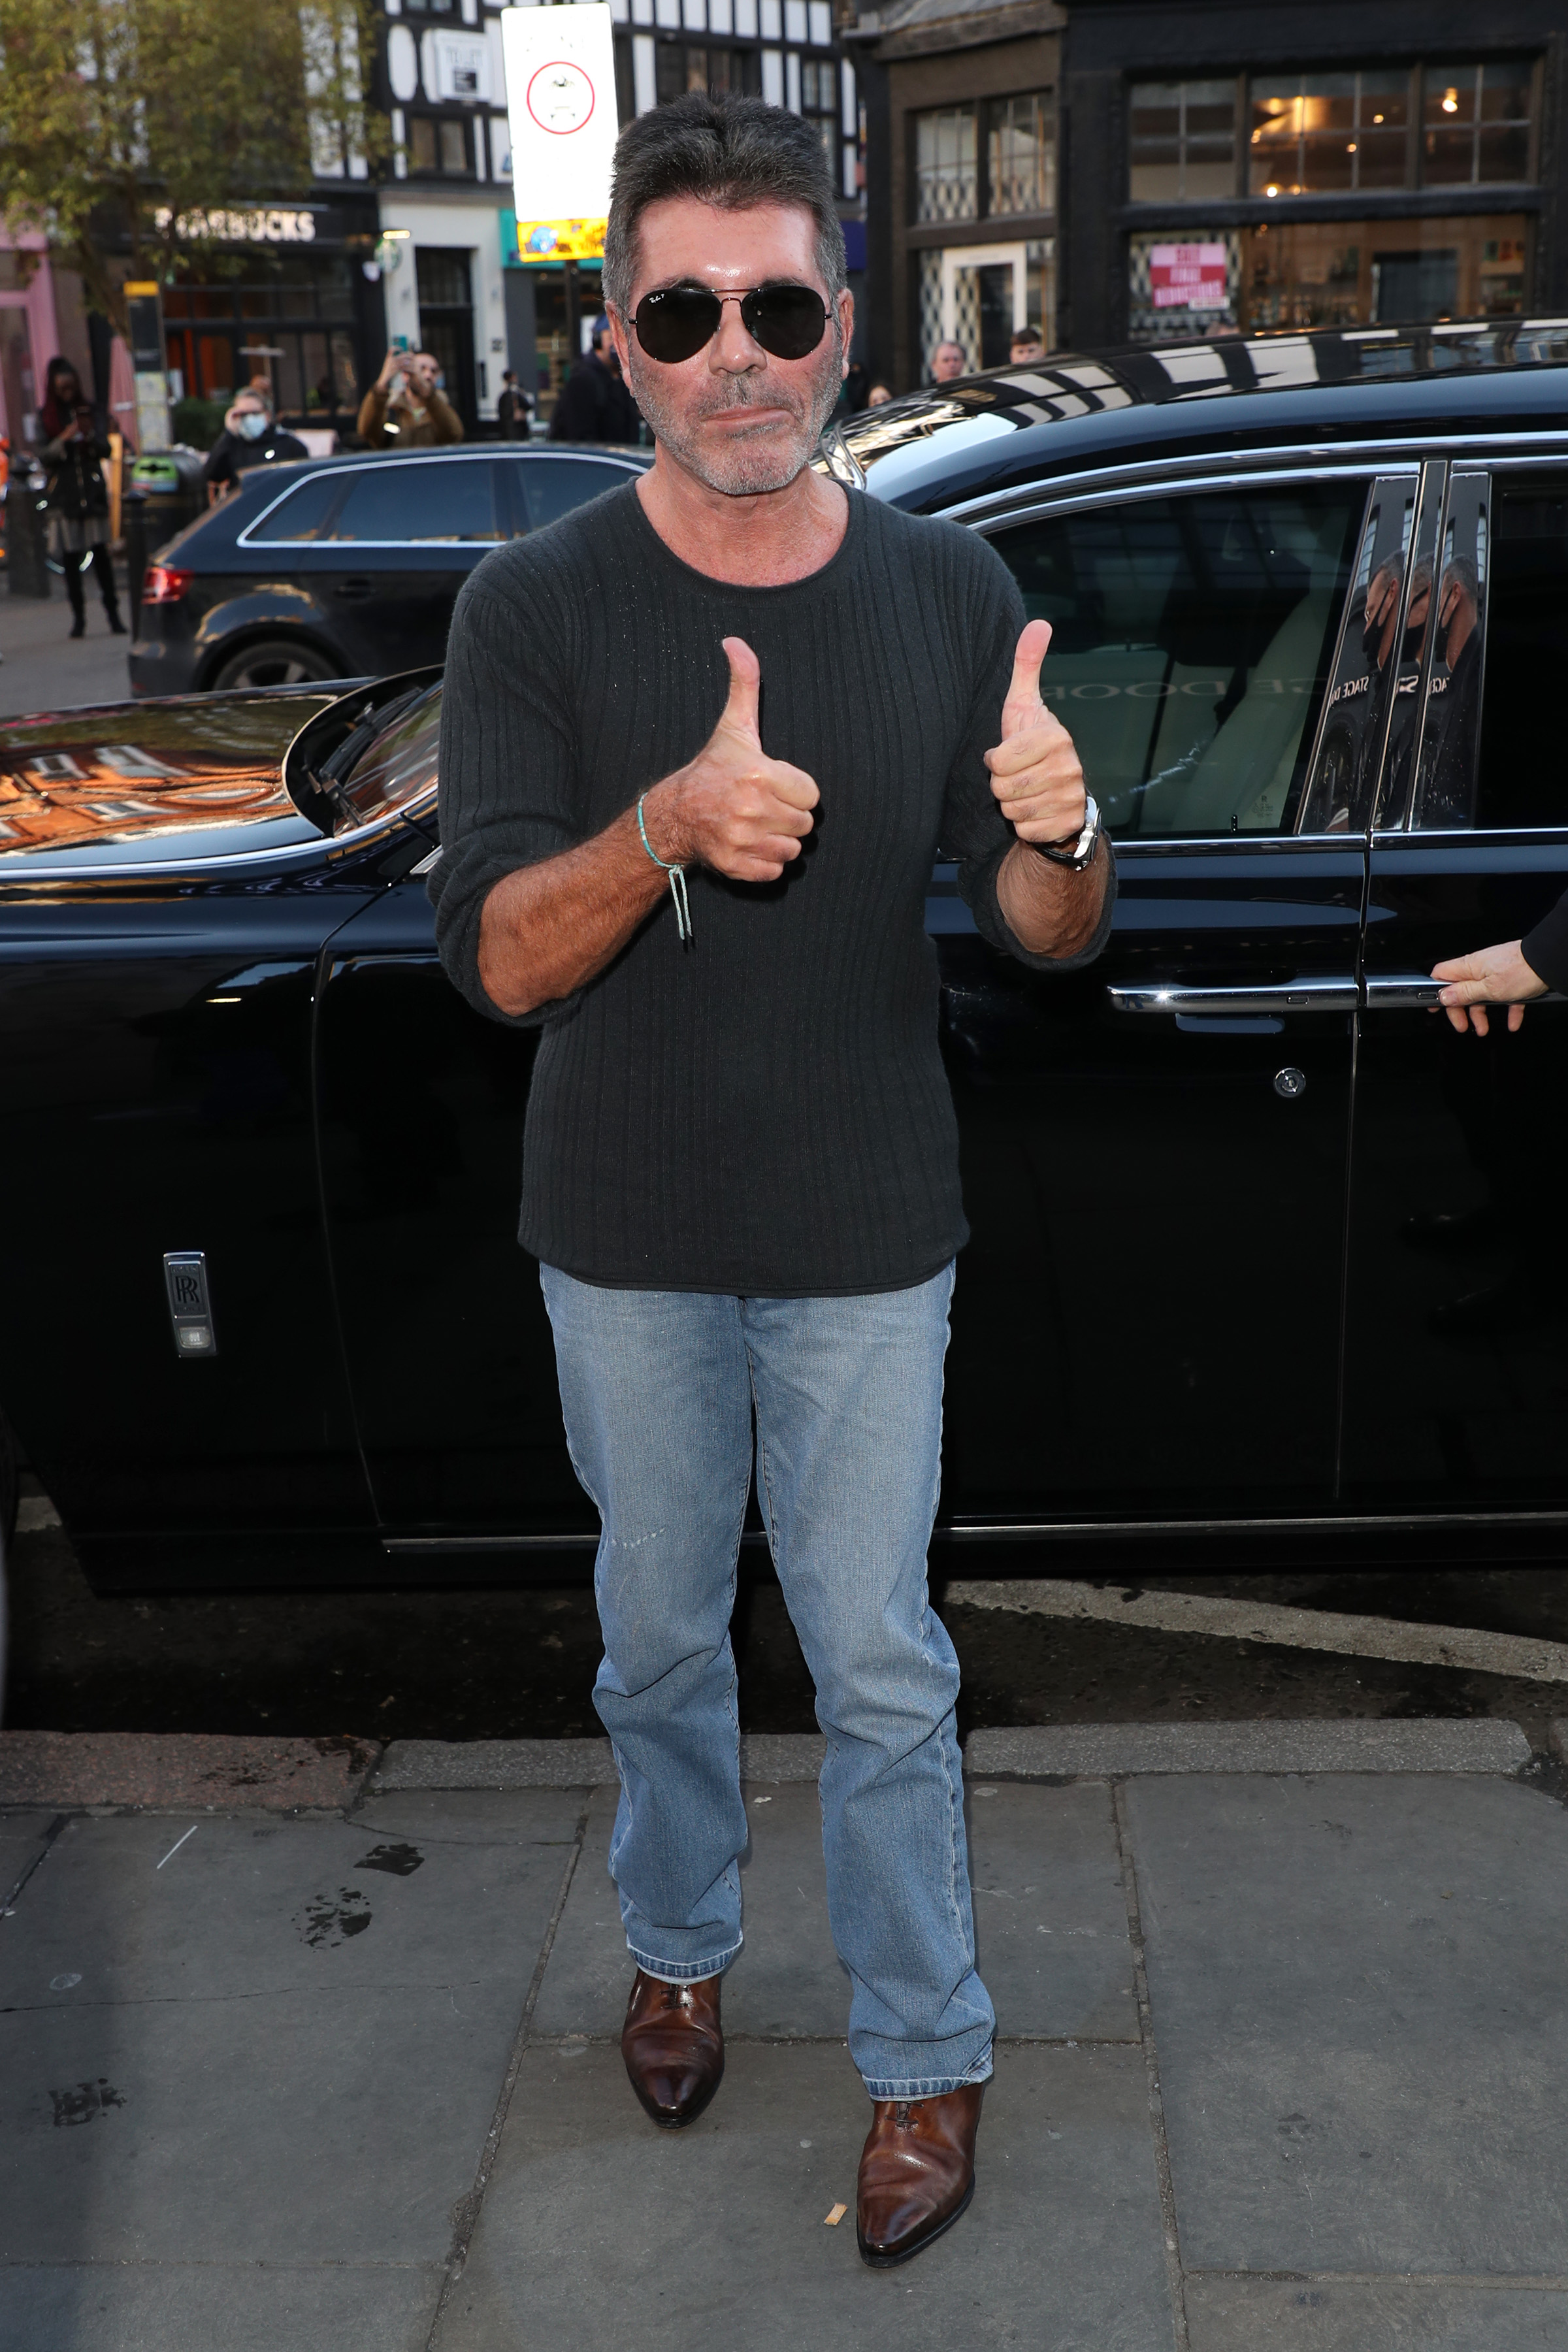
<point x="165" y="584"/>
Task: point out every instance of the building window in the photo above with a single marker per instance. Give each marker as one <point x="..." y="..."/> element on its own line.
<point x="429" y="7"/>
<point x="819" y="105"/>
<point x="439" y="144"/>
<point x="1020" y="153"/>
<point x="1182" y="140"/>
<point x="1312" y="133"/>
<point x="680" y="67"/>
<point x="946" y="165"/>
<point x="1475" y="125"/>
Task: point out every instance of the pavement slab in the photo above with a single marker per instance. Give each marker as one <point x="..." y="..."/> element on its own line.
<point x="1050" y="1915"/>
<point x="598" y="2230"/>
<point x="216" y="2307"/>
<point x="1362" y="2021"/>
<point x="1374" y="2315"/>
<point x="24" y="1834"/>
<point x="1432" y="1744"/>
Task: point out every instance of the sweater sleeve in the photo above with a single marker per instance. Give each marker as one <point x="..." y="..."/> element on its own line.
<point x="371" y="422"/>
<point x="1546" y="949"/>
<point x="989" y="618"/>
<point x="507" y="762"/>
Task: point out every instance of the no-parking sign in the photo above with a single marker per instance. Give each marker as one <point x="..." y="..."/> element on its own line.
<point x="561" y="98"/>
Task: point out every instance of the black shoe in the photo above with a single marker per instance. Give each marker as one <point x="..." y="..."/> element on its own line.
<point x="116" y="625"/>
<point x="1498" y="1310"/>
<point x="79" y="628"/>
<point x="1449" y="1229"/>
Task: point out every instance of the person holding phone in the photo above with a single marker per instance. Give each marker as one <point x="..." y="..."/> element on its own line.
<point x="76" y="444"/>
<point x="405" y="407"/>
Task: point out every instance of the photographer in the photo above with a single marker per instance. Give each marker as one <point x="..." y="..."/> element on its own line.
<point x="76" y="443"/>
<point x="250" y="437"/>
<point x="405" y="407"/>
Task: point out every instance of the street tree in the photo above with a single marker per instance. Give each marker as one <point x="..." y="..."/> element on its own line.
<point x="130" y="130"/>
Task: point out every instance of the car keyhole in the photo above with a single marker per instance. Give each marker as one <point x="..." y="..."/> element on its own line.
<point x="1289" y="1082"/>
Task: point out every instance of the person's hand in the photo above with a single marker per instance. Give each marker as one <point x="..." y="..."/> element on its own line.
<point x="391" y="369"/>
<point x="1035" y="770"/>
<point x="732" y="807"/>
<point x="1491" y="976"/>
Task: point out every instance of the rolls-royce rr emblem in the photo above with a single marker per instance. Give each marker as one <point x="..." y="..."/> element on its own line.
<point x="190" y="1307"/>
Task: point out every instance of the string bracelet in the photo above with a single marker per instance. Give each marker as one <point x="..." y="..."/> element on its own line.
<point x="676" y="874"/>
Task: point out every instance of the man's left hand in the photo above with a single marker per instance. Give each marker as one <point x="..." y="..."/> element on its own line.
<point x="1035" y="770"/>
<point x="1496" y="976"/>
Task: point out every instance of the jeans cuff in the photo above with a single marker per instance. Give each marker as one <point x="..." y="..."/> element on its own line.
<point x="683" y="1972"/>
<point x="929" y="2086"/>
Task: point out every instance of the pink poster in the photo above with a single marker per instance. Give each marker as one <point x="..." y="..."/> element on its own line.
<point x="1187" y="277"/>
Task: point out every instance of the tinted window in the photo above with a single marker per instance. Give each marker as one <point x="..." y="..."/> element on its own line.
<point x="303" y="512"/>
<point x="554" y="486"/>
<point x="388" y="762"/>
<point x="1191" y="641"/>
<point x="411" y="500"/>
<point x="1522" y="781"/>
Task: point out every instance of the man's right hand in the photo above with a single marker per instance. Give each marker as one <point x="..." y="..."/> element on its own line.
<point x="1496" y="976"/>
<point x="732" y="807"/>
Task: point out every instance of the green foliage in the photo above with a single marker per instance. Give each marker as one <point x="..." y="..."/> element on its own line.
<point x="144" y="115"/>
<point x="198" y="423"/>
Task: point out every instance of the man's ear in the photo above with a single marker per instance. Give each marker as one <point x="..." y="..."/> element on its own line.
<point x="844" y="308"/>
<point x="619" y="337"/>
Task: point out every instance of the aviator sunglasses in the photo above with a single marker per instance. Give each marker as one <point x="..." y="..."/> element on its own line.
<point x="789" y="322"/>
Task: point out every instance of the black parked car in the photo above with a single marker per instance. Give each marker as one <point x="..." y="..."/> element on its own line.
<point x="1259" y="1244"/>
<point x="345" y="566"/>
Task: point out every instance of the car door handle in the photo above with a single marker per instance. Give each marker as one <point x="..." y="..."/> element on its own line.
<point x="1279" y="996"/>
<point x="355" y="590"/>
<point x="1413" y="991"/>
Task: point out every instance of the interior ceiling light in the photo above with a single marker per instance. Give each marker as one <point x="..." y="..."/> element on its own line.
<point x="1450" y="101"/>
<point x="1271" y="191"/>
<point x="1377" y="118"/>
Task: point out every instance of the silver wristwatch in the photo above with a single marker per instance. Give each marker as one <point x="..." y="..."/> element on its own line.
<point x="1078" y="852"/>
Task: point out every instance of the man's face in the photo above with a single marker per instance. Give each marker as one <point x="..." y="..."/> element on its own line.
<point x="948" y="363"/>
<point x="740" y="420"/>
<point x="1025" y="347"/>
<point x="422" y="370"/>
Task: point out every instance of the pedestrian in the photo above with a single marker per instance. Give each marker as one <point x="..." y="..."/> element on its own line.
<point x="405" y="407"/>
<point x="948" y="363"/>
<point x="250" y="437"/>
<point x="511" y="409"/>
<point x="593" y="403"/>
<point x="741" y="1164"/>
<point x="1027" y="346"/>
<point x="879" y="396"/>
<point x="76" y="444"/>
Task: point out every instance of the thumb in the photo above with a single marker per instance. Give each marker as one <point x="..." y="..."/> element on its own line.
<point x="745" y="684"/>
<point x="1023" y="703"/>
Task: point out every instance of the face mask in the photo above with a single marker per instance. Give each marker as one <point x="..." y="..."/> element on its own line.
<point x="252" y="425"/>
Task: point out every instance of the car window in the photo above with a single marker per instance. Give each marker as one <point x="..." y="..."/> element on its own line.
<point x="1522" y="781"/>
<point x="303" y="513"/>
<point x="424" y="501"/>
<point x="1191" y="643"/>
<point x="554" y="486"/>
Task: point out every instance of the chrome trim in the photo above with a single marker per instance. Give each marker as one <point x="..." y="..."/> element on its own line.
<point x="963" y="1531"/>
<point x="1417" y="992"/>
<point x="326" y="846"/>
<point x="1280" y="996"/>
<point x="1398" y="455"/>
<point x="485" y="452"/>
<point x="1236" y="844"/>
<point x="1051" y="498"/>
<point x="1425" y="545"/>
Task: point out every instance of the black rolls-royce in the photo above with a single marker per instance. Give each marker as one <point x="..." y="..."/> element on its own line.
<point x="1259" y="1242"/>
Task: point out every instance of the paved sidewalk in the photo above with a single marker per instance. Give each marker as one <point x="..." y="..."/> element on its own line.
<point x="1284" y="2062"/>
<point x="43" y="668"/>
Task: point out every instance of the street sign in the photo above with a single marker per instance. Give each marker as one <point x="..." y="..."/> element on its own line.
<point x="561" y="100"/>
<point x="144" y="307"/>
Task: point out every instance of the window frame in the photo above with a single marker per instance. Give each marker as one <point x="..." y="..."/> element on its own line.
<point x="486" y="453"/>
<point x="1241" y="84"/>
<point x="984" y="112"/>
<point x="1035" y="506"/>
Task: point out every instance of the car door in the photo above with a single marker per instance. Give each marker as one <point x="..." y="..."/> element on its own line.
<point x="404" y="537"/>
<point x="1147" y="1320"/>
<point x="1457" y="1355"/>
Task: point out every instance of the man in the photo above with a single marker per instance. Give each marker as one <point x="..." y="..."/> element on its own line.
<point x="405" y="407"/>
<point x="511" y="409"/>
<point x="741" y="1160"/>
<point x="948" y="363"/>
<point x="250" y="437"/>
<point x="593" y="403"/>
<point x="1026" y="346"/>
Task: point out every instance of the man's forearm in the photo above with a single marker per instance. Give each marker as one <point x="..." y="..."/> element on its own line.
<point x="1051" y="909"/>
<point x="548" y="928"/>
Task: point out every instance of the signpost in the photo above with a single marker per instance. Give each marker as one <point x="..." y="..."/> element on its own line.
<point x="561" y="100"/>
<point x="149" y="361"/>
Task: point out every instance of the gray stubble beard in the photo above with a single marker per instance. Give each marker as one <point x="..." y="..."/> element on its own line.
<point x="746" y="471"/>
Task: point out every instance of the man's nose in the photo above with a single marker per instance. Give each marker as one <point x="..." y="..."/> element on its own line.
<point x="734" y="348"/>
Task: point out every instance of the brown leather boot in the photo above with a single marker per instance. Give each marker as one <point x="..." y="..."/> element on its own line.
<point x="917" y="2172"/>
<point x="673" y="2044"/>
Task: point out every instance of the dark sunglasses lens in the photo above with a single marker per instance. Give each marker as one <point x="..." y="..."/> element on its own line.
<point x="673" y="326"/>
<point x="787" y="320"/>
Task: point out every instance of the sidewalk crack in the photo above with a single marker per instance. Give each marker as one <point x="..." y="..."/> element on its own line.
<point x="1175" y="2277"/>
<point x="50" y="1834"/>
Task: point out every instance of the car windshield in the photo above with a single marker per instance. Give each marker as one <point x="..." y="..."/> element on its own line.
<point x="387" y="763"/>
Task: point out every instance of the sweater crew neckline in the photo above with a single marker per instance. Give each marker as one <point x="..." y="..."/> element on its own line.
<point x="843" y="554"/>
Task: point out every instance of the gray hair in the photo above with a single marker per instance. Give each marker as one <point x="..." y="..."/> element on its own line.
<point x="734" y="153"/>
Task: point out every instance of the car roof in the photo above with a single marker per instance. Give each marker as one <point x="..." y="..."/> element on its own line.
<point x="1073" y="410"/>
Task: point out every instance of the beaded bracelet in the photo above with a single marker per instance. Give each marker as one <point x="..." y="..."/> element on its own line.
<point x="677" y="881"/>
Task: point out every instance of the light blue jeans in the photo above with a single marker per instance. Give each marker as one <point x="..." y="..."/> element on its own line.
<point x="659" y="1390"/>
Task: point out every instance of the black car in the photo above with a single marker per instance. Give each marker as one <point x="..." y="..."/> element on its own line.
<point x="346" y="567"/>
<point x="1260" y="1245"/>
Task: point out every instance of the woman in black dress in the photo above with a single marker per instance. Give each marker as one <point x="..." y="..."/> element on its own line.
<point x="76" y="443"/>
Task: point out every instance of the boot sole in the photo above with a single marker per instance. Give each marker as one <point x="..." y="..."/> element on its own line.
<point x="907" y="2254"/>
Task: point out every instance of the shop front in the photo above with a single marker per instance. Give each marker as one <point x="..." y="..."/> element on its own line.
<point x="292" y="302"/>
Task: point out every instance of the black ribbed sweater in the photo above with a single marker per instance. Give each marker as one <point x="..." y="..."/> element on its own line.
<point x="766" y="1112"/>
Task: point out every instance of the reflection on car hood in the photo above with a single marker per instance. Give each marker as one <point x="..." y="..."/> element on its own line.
<point x="135" y="771"/>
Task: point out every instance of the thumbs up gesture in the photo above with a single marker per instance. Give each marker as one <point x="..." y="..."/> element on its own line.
<point x="732" y="807"/>
<point x="1035" y="770"/>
